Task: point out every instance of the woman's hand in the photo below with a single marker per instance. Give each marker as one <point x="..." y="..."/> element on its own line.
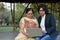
<point x="24" y="31"/>
<point x="43" y="31"/>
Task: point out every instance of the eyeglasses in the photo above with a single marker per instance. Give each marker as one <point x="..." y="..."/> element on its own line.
<point x="29" y="13"/>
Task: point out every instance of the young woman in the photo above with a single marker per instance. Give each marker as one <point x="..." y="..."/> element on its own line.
<point x="47" y="23"/>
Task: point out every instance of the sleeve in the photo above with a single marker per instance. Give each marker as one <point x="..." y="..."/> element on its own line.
<point x="52" y="23"/>
<point x="22" y="24"/>
<point x="37" y="23"/>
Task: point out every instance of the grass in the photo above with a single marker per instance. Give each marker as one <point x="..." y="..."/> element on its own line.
<point x="7" y="28"/>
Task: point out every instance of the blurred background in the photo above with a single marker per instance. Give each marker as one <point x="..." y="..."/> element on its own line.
<point x="11" y="13"/>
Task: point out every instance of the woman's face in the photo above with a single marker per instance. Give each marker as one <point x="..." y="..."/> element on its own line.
<point x="29" y="13"/>
<point x="41" y="12"/>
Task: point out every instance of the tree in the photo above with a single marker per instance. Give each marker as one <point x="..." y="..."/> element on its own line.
<point x="19" y="11"/>
<point x="34" y="6"/>
<point x="59" y="19"/>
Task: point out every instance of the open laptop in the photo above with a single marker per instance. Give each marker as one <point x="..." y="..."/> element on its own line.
<point x="33" y="32"/>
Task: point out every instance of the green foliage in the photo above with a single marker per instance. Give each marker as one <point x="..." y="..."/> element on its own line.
<point x="34" y="6"/>
<point x="19" y="10"/>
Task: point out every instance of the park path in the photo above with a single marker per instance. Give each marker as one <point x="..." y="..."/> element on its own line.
<point x="10" y="35"/>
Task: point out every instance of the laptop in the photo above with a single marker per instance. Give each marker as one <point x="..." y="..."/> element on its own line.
<point x="33" y="32"/>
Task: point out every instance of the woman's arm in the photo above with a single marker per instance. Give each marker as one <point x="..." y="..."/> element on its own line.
<point x="52" y="24"/>
<point x="37" y="25"/>
<point x="23" y="31"/>
<point x="22" y="26"/>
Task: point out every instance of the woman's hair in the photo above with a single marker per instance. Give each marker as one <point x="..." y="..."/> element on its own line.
<point x="28" y="9"/>
<point x="44" y="8"/>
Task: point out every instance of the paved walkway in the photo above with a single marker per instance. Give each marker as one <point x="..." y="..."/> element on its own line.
<point x="10" y="35"/>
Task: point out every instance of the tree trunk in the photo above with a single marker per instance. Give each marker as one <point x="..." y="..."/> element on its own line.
<point x="13" y="16"/>
<point x="51" y="8"/>
<point x="24" y="11"/>
<point x="59" y="20"/>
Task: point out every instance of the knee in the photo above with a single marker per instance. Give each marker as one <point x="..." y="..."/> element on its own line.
<point x="37" y="38"/>
<point x="16" y="38"/>
<point x="47" y="37"/>
<point x="30" y="38"/>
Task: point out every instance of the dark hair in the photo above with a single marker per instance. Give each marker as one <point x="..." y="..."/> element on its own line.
<point x="44" y="8"/>
<point x="28" y="9"/>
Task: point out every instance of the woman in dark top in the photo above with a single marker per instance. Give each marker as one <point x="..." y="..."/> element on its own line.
<point x="47" y="23"/>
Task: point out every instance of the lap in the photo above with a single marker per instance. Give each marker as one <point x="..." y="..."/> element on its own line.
<point x="20" y="36"/>
<point x="31" y="39"/>
<point x="46" y="37"/>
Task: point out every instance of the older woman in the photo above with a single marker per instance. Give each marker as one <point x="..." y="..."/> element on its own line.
<point x="28" y="21"/>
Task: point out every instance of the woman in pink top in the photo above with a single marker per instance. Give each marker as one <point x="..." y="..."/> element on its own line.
<point x="29" y="21"/>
